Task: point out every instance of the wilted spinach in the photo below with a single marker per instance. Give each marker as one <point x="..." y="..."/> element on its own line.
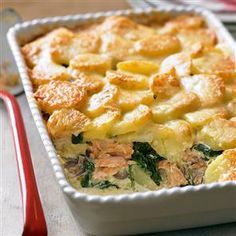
<point x="76" y="139"/>
<point x="86" y="180"/>
<point x="206" y="151"/>
<point x="147" y="158"/>
<point x="105" y="184"/>
<point x="130" y="175"/>
<point x="88" y="167"/>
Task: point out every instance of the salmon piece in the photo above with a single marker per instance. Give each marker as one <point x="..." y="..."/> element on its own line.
<point x="110" y="157"/>
<point x="174" y="176"/>
<point x="194" y="166"/>
<point x="104" y="173"/>
<point x="115" y="161"/>
<point x="111" y="147"/>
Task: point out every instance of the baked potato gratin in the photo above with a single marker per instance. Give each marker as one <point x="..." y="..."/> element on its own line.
<point x="137" y="106"/>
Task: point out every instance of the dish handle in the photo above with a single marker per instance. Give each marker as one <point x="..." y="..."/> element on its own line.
<point x="33" y="216"/>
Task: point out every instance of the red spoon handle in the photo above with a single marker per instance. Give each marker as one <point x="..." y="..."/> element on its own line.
<point x="34" y="221"/>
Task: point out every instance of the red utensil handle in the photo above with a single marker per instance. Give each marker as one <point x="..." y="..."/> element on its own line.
<point x="34" y="221"/>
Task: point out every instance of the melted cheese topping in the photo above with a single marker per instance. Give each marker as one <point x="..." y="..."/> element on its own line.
<point x="169" y="84"/>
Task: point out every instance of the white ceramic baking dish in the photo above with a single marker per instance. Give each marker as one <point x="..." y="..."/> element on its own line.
<point x="152" y="211"/>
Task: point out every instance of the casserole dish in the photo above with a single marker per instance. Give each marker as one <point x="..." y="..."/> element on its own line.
<point x="164" y="209"/>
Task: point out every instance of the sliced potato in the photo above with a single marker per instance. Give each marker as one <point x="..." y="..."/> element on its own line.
<point x="144" y="134"/>
<point x="116" y="47"/>
<point x="189" y="37"/>
<point x="181" y="62"/>
<point x="230" y="91"/>
<point x="141" y="177"/>
<point x="172" y="139"/>
<point x="231" y="107"/>
<point x="182" y="22"/>
<point x="36" y="51"/>
<point x="219" y="134"/>
<point x="132" y="120"/>
<point x="59" y="94"/>
<point x="164" y="85"/>
<point x="101" y="125"/>
<point x="202" y="117"/>
<point x="90" y="82"/>
<point x="125" y="27"/>
<point x="175" y="107"/>
<point x="91" y="62"/>
<point x="129" y="99"/>
<point x="46" y="71"/>
<point x="223" y="168"/>
<point x="216" y="63"/>
<point x="138" y="66"/>
<point x="127" y="81"/>
<point x="65" y="122"/>
<point x="209" y="88"/>
<point x="66" y="45"/>
<point x="99" y="102"/>
<point x="157" y="45"/>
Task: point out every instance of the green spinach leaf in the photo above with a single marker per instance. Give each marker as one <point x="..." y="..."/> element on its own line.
<point x="105" y="184"/>
<point x="88" y="167"/>
<point x="86" y="180"/>
<point x="130" y="175"/>
<point x="76" y="139"/>
<point x="147" y="158"/>
<point x="206" y="151"/>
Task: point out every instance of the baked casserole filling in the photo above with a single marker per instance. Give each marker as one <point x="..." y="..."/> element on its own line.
<point x="137" y="104"/>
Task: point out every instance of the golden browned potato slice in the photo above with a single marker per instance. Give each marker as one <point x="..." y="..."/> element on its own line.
<point x="66" y="45"/>
<point x="101" y="125"/>
<point x="99" y="102"/>
<point x="205" y="37"/>
<point x="46" y="71"/>
<point x="172" y="139"/>
<point x="138" y="66"/>
<point x="164" y="85"/>
<point x="132" y="120"/>
<point x="37" y="50"/>
<point x="129" y="99"/>
<point x="231" y="107"/>
<point x="202" y="117"/>
<point x="32" y="52"/>
<point x="65" y="122"/>
<point x="59" y="94"/>
<point x="186" y="22"/>
<point x="90" y="82"/>
<point x="158" y="45"/>
<point x="223" y="168"/>
<point x="175" y="107"/>
<point x="181" y="62"/>
<point x="127" y="81"/>
<point x="219" y="134"/>
<point x="182" y="22"/>
<point x="91" y="63"/>
<point x="125" y="28"/>
<point x="209" y="88"/>
<point x="216" y="63"/>
<point x="116" y="47"/>
<point x="230" y="90"/>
